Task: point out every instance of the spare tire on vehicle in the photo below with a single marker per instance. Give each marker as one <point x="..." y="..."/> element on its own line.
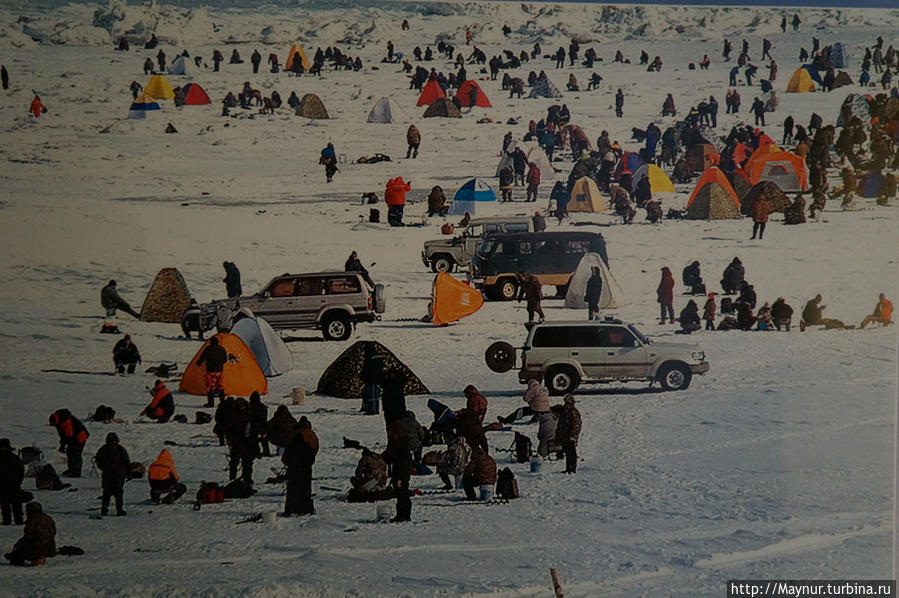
<point x="500" y="357"/>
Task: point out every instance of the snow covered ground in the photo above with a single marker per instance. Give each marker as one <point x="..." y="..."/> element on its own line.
<point x="778" y="463"/>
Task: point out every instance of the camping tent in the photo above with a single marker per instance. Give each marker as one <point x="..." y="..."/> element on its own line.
<point x="507" y="160"/>
<point x="703" y="155"/>
<point x="167" y="298"/>
<point x="585" y="197"/>
<point x="463" y="95"/>
<point x="713" y="198"/>
<point x="842" y="79"/>
<point x="629" y="161"/>
<point x="431" y="92"/>
<point x="469" y="195"/>
<point x="182" y="66"/>
<point x="536" y="155"/>
<point x="784" y="168"/>
<point x="777" y="199"/>
<point x="158" y="88"/>
<point x="311" y="106"/>
<point x="241" y="375"/>
<point x="386" y="110"/>
<point x="804" y="79"/>
<point x="269" y="350"/>
<point x="442" y="107"/>
<point x="452" y="299"/>
<point x="740" y="183"/>
<point x="658" y="180"/>
<point x="194" y="95"/>
<point x="871" y="184"/>
<point x="839" y="55"/>
<point x="141" y="106"/>
<point x="544" y="88"/>
<point x="612" y="296"/>
<point x="343" y="378"/>
<point x="294" y="50"/>
<point x="854" y="105"/>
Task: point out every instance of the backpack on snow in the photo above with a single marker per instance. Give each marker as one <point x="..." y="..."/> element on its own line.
<point x="521" y="448"/>
<point x="506" y="484"/>
<point x="47" y="479"/>
<point x="103" y="414"/>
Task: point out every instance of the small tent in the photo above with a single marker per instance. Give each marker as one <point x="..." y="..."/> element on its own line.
<point x="431" y="92"/>
<point x="167" y="298"/>
<point x="182" y="66"/>
<point x="629" y="161"/>
<point x="311" y="106"/>
<point x="839" y="55"/>
<point x="544" y="88"/>
<point x="507" y="160"/>
<point x="536" y="155"/>
<point x="386" y="110"/>
<point x="158" y="88"/>
<point x="586" y="197"/>
<point x="612" y="297"/>
<point x="658" y="180"/>
<point x="702" y="156"/>
<point x="784" y="168"/>
<point x="801" y="81"/>
<point x="241" y="375"/>
<point x="343" y="378"/>
<point x="463" y="95"/>
<point x="452" y="299"/>
<point x="871" y="184"/>
<point x="470" y="195"/>
<point x="854" y="105"/>
<point x="141" y="106"/>
<point x="842" y="80"/>
<point x="194" y="95"/>
<point x="270" y="352"/>
<point x="713" y="198"/>
<point x="740" y="183"/>
<point x="294" y="50"/>
<point x="777" y="199"/>
<point x="444" y="108"/>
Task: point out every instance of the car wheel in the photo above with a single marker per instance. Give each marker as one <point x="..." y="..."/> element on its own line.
<point x="500" y="357"/>
<point x="561" y="380"/>
<point x="507" y="289"/>
<point x="674" y="376"/>
<point x="441" y="263"/>
<point x="337" y="328"/>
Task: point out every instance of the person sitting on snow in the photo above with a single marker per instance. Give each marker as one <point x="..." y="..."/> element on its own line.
<point x="162" y="406"/>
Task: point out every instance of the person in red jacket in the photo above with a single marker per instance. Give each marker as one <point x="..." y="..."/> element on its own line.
<point x="162" y="406"/>
<point x="475" y="401"/>
<point x="72" y="437"/>
<point x="665" y="294"/>
<point x="37" y="108"/>
<point x="533" y="178"/>
<point x="395" y="196"/>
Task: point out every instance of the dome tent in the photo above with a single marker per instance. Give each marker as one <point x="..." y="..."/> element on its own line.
<point x="611" y="297"/>
<point x="167" y="298"/>
<point x="469" y="195"/>
<point x="343" y="378"/>
<point x="241" y="376"/>
<point x="271" y="353"/>
<point x="386" y="110"/>
<point x="713" y="198"/>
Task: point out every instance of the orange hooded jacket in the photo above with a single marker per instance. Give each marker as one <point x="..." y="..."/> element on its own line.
<point x="163" y="467"/>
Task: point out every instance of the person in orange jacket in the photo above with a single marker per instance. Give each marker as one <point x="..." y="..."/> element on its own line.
<point x="395" y="196"/>
<point x="883" y="313"/>
<point x="162" y="406"/>
<point x="163" y="479"/>
<point x="72" y="437"/>
<point x="37" y="108"/>
<point x="533" y="179"/>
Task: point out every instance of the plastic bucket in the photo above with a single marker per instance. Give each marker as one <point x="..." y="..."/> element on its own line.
<point x="486" y="493"/>
<point x="269" y="517"/>
<point x="536" y="464"/>
<point x="385" y="512"/>
<point x="299" y="396"/>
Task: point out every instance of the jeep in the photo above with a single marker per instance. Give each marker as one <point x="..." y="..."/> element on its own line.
<point x="566" y="354"/>
<point x="442" y="255"/>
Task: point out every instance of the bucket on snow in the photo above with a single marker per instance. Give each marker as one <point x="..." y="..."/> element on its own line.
<point x="269" y="517"/>
<point x="385" y="512"/>
<point x="536" y="464"/>
<point x="298" y="395"/>
<point x="486" y="492"/>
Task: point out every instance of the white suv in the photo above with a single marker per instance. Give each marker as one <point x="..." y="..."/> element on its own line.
<point x="565" y="354"/>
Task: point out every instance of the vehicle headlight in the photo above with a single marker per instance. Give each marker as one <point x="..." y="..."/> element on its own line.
<point x="698" y="355"/>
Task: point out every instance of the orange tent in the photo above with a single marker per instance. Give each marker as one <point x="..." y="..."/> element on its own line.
<point x="431" y="92"/>
<point x="452" y="299"/>
<point x="791" y="163"/>
<point x="194" y="95"/>
<point x="712" y="197"/>
<point x="464" y="95"/>
<point x="294" y="50"/>
<point x="762" y="150"/>
<point x="241" y="376"/>
<point x="766" y="142"/>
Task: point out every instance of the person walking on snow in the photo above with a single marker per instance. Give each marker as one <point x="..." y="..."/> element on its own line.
<point x="113" y="462"/>
<point x="593" y="293"/>
<point x="665" y="295"/>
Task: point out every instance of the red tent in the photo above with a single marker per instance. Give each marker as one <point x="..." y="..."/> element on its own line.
<point x="431" y="92"/>
<point x="464" y="95"/>
<point x="194" y="95"/>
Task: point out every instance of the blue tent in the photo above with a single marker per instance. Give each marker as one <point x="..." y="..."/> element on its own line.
<point x="141" y="106"/>
<point x="872" y="183"/>
<point x="469" y="195"/>
<point x="813" y="73"/>
<point x="839" y="55"/>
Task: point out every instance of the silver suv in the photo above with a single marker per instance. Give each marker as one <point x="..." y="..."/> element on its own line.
<point x="442" y="255"/>
<point x="565" y="354"/>
<point x="331" y="301"/>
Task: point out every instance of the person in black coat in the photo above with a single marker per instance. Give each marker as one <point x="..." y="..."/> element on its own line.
<point x="404" y="435"/>
<point x="232" y="280"/>
<point x="689" y="317"/>
<point x="747" y="294"/>
<point x="372" y="379"/>
<point x="691" y="275"/>
<point x="214" y="357"/>
<point x="593" y="293"/>
<point x="243" y="445"/>
<point x="259" y="424"/>
<point x="354" y="264"/>
<point x="12" y="472"/>
<point x="113" y="461"/>
<point x="299" y="457"/>
<point x="124" y="354"/>
<point x="733" y="277"/>
<point x="256" y="58"/>
<point x="72" y="437"/>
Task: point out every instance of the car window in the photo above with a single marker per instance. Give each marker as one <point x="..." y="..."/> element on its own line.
<point x="517" y="227"/>
<point x="474" y="231"/>
<point x="281" y="288"/>
<point x="492" y="228"/>
<point x="577" y="246"/>
<point x="567" y="336"/>
<point x="309" y="286"/>
<point x="525" y="248"/>
<point x="550" y="247"/>
<point x="341" y="285"/>
<point x="617" y="336"/>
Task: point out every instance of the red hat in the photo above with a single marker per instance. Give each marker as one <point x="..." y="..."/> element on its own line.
<point x="712" y="295"/>
<point x="537" y="213"/>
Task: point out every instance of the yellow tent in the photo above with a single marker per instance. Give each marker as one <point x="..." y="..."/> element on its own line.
<point x="658" y="180"/>
<point x="158" y="87"/>
<point x="452" y="299"/>
<point x="801" y="81"/>
<point x="585" y="197"/>
<point x="297" y="49"/>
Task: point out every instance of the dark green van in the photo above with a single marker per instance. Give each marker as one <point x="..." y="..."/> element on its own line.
<point x="551" y="256"/>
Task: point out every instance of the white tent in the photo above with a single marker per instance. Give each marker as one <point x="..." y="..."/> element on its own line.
<point x="612" y="296"/>
<point x="386" y="110"/>
<point x="536" y="155"/>
<point x="506" y="160"/>
<point x="182" y="66"/>
<point x="270" y="351"/>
